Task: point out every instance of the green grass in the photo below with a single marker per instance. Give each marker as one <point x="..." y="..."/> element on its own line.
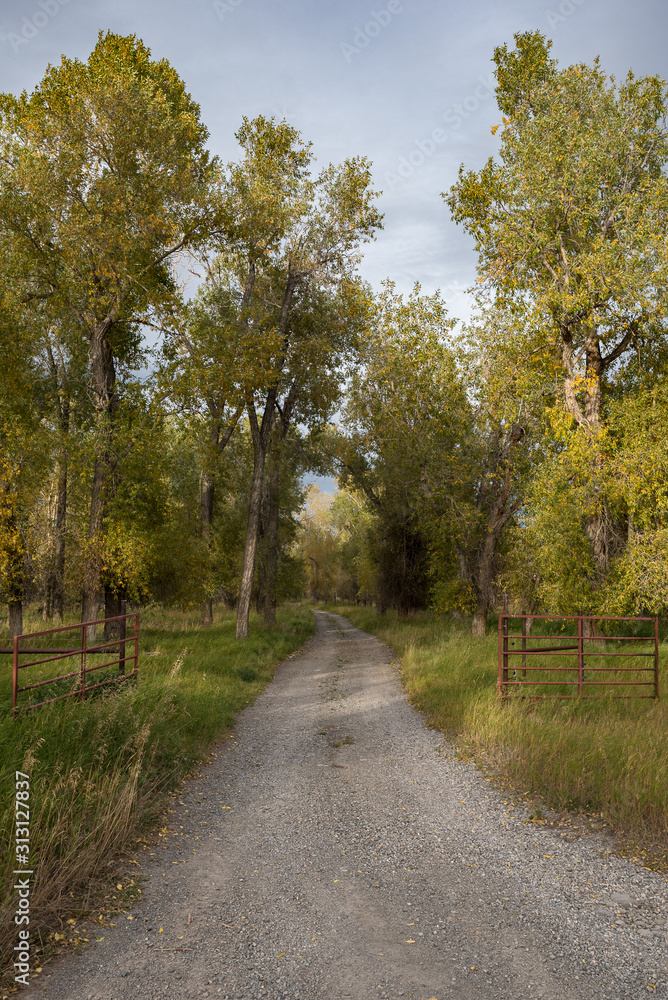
<point x="100" y="770"/>
<point x="602" y="756"/>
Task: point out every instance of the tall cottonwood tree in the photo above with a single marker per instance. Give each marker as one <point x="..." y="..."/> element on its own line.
<point x="570" y="219"/>
<point x="104" y="179"/>
<point x="288" y="231"/>
<point x="325" y="333"/>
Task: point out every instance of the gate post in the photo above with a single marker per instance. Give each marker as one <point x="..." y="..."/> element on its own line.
<point x="656" y="657"/>
<point x="121" y="636"/>
<point x="499" y="682"/>
<point x="15" y="675"/>
<point x="82" y="693"/>
<point x="524" y="646"/>
<point x="580" y="656"/>
<point x="136" y="643"/>
<point x="505" y="637"/>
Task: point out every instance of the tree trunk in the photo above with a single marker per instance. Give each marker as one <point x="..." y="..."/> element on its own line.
<point x="252" y="531"/>
<point x="484" y="579"/>
<point x="91" y="586"/>
<point x="499" y="515"/>
<point x="112" y="608"/>
<point x="106" y="406"/>
<point x="206" y="613"/>
<point x="271" y="543"/>
<point x="260" y="436"/>
<point x="479" y="624"/>
<point x="55" y="584"/>
<point x="206" y="499"/>
<point x="15" y="618"/>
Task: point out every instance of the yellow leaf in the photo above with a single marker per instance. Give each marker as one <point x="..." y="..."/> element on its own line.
<point x="410" y="941"/>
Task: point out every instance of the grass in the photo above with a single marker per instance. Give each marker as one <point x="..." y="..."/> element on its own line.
<point x="100" y="771"/>
<point x="602" y="756"/>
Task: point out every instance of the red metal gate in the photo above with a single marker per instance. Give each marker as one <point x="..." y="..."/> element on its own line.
<point x="514" y="648"/>
<point x="83" y="651"/>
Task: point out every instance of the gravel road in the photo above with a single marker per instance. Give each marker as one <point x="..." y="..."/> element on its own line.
<point x="343" y="854"/>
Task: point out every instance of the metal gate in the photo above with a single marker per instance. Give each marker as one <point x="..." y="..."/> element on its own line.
<point x="522" y="663"/>
<point x="82" y="652"/>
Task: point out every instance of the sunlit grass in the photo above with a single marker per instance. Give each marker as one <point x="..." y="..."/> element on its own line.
<point x="599" y="755"/>
<point x="100" y="770"/>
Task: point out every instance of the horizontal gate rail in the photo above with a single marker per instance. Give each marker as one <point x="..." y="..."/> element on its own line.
<point x="83" y="651"/>
<point x="564" y="647"/>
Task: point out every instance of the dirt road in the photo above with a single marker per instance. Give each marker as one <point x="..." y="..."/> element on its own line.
<point x="332" y="849"/>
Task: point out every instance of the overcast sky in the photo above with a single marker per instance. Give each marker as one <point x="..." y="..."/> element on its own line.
<point x="381" y="79"/>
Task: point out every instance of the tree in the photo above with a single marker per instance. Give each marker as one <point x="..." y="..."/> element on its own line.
<point x="570" y="222"/>
<point x="24" y="450"/>
<point x="408" y="419"/>
<point x="504" y="448"/>
<point x="287" y="232"/>
<point x="104" y="179"/>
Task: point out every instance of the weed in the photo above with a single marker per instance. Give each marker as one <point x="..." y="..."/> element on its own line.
<point x="100" y="770"/>
<point x="599" y="756"/>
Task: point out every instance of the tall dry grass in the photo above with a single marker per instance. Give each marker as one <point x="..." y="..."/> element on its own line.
<point x="599" y="755"/>
<point x="100" y="771"/>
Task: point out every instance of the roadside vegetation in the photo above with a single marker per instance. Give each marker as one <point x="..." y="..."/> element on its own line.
<point x="600" y="756"/>
<point x="100" y="771"/>
<point x="154" y="445"/>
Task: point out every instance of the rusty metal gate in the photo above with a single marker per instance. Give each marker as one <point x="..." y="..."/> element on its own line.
<point x="83" y="651"/>
<point x="520" y="665"/>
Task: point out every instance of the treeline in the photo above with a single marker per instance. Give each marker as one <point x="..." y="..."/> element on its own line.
<point x="177" y="336"/>
<point x="174" y="332"/>
<point x="526" y="451"/>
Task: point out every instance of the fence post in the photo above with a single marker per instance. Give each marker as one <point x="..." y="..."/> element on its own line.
<point x="656" y="657"/>
<point x="82" y="693"/>
<point x="499" y="682"/>
<point x="121" y="643"/>
<point x="524" y="646"/>
<point x="136" y="670"/>
<point x="580" y="656"/>
<point x="505" y="637"/>
<point x="15" y="674"/>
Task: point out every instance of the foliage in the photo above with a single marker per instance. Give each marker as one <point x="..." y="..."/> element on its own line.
<point x="406" y="416"/>
<point x="568" y="225"/>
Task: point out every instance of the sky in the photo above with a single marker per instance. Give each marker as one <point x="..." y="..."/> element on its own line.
<point x="406" y="83"/>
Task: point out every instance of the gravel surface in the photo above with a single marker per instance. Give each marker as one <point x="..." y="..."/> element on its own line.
<point x="342" y="853"/>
